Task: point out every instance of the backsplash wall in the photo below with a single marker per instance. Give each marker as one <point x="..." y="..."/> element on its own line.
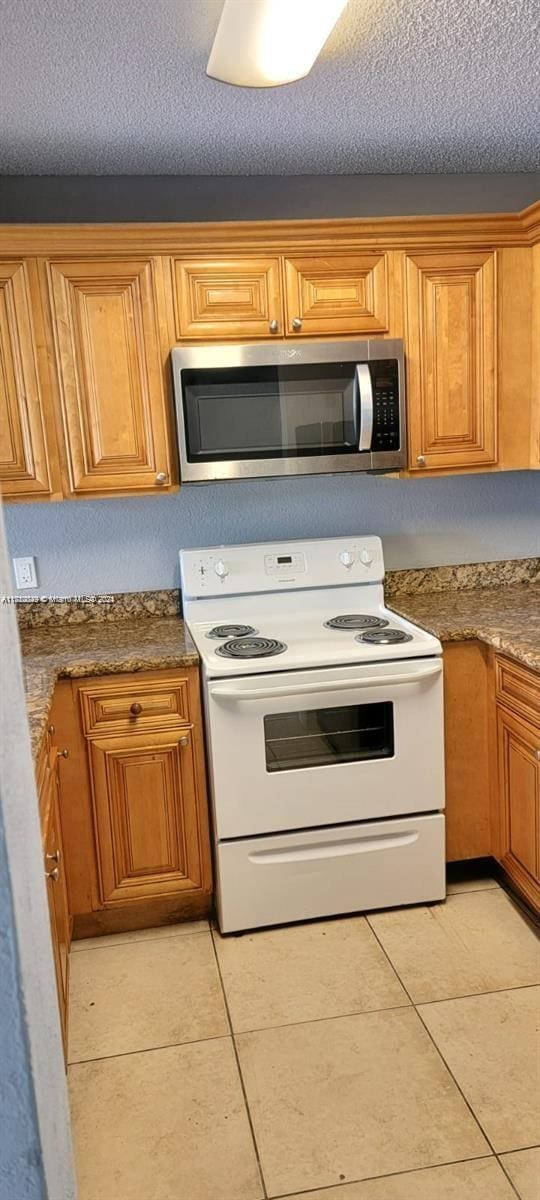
<point x="130" y="545"/>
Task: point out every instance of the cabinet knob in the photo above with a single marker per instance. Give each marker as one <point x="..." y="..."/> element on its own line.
<point x="274" y="326"/>
<point x="54" y="874"/>
<point x="183" y="741"/>
<point x="538" y="755"/>
<point x="421" y="460"/>
<point x="296" y="323"/>
<point x="136" y="708"/>
<point x="55" y="857"/>
<point x="161" y="478"/>
<point x="62" y="754"/>
<point x="50" y="729"/>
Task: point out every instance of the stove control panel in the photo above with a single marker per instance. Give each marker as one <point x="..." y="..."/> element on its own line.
<point x="281" y="566"/>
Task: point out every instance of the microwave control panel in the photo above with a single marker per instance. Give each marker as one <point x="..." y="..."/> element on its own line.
<point x="385" y="387"/>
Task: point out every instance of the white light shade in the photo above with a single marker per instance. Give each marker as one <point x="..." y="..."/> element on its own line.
<point x="262" y="43"/>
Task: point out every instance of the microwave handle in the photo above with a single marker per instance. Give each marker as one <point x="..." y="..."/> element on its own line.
<point x="364" y="400"/>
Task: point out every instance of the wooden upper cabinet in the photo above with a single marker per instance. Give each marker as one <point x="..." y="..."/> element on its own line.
<point x="450" y="348"/>
<point x="26" y="467"/>
<point x="230" y="298"/>
<point x="337" y="294"/>
<point x="110" y="362"/>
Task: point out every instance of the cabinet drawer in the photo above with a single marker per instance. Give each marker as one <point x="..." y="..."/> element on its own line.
<point x="518" y="688"/>
<point x="118" y="707"/>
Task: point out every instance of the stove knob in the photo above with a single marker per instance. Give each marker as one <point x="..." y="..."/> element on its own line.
<point x="346" y="558"/>
<point x="221" y="569"/>
<point x="366" y="558"/>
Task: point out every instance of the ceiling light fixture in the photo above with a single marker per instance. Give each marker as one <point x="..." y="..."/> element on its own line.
<point x="264" y="43"/>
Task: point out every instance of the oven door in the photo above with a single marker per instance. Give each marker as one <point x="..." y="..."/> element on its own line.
<point x="322" y="747"/>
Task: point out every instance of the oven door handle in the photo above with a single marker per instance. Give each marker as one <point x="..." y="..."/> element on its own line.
<point x="230" y="692"/>
<point x="364" y="400"/>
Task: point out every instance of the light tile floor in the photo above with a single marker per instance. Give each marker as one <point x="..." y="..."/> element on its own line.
<point x="388" y="1057"/>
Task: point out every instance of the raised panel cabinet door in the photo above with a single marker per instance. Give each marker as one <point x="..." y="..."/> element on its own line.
<point x="106" y="329"/>
<point x="24" y="463"/>
<point x="519" y="795"/>
<point x="57" y="895"/>
<point x="337" y="294"/>
<point x="450" y="355"/>
<point x="227" y="298"/>
<point x="146" y="815"/>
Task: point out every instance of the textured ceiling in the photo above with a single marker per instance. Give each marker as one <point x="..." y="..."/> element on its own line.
<point x="119" y="87"/>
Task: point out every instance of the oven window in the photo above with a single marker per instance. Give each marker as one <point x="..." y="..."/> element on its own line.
<point x="321" y="736"/>
<point x="269" y="412"/>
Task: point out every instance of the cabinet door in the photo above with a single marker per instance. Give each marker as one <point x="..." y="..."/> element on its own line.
<point x="146" y="815"/>
<point x="519" y="796"/>
<point x="25" y="469"/>
<point x="112" y="378"/>
<point x="450" y="301"/>
<point x="337" y="294"/>
<point x="57" y="898"/>
<point x="227" y="298"/>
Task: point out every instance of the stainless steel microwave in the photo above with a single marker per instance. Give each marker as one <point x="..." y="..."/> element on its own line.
<point x="256" y="411"/>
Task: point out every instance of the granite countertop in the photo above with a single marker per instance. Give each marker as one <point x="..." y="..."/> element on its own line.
<point x="507" y="618"/>
<point x="97" y="648"/>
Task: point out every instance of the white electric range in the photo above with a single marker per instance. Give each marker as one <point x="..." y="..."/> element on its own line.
<point x="324" y="721"/>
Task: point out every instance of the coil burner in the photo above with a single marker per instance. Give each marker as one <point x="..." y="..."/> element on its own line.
<point x="251" y="647"/>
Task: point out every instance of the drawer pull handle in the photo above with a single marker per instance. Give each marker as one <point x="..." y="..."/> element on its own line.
<point x="136" y="708"/>
<point x="54" y="874"/>
<point x="55" y="857"/>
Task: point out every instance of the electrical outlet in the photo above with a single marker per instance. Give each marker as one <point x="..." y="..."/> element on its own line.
<point x="25" y="572"/>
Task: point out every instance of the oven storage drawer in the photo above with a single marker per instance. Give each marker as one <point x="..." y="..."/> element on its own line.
<point x="323" y="872"/>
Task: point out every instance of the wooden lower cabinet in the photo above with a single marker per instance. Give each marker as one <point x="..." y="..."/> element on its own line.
<point x="517" y="799"/>
<point x="467" y="750"/>
<point x="134" y="807"/>
<point x="492" y="755"/>
<point x="56" y="885"/>
<point x="146" y="815"/>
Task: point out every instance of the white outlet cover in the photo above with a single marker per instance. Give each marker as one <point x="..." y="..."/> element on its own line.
<point x="25" y="572"/>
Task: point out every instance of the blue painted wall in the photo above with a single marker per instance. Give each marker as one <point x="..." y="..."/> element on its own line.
<point x="130" y="545"/>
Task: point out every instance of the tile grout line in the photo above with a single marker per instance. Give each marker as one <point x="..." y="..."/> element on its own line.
<point x="239" y="1069"/>
<point x="328" y="1187"/>
<point x="134" y="941"/>
<point x="505" y="1172"/>
<point x="214" y="1037"/>
<point x="438" y="1051"/>
<point x="518" y="987"/>
<point x="361" y="1012"/>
